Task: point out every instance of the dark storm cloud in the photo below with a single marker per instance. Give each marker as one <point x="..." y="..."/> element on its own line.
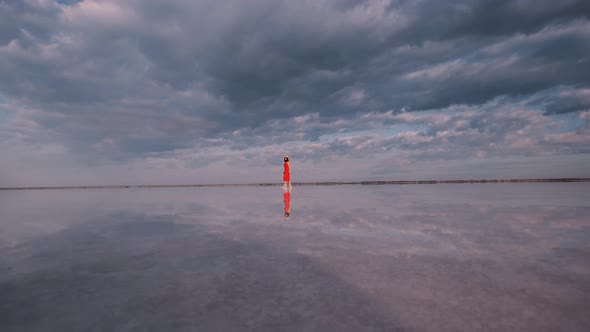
<point x="124" y="78"/>
<point x="450" y="19"/>
<point x="514" y="66"/>
<point x="23" y="17"/>
<point x="569" y="102"/>
<point x="268" y="71"/>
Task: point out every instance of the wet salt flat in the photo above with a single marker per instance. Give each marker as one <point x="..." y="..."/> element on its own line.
<point x="485" y="257"/>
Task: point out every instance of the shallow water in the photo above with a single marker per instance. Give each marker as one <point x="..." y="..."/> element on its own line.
<point x="349" y="258"/>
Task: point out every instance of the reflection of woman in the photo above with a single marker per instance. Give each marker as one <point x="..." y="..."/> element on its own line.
<point x="287" y="199"/>
<point x="286" y="172"/>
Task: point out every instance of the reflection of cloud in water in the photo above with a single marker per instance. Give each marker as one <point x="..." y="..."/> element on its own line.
<point x="124" y="275"/>
<point x="433" y="257"/>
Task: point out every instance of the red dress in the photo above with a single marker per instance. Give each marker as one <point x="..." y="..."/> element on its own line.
<point x="287" y="173"/>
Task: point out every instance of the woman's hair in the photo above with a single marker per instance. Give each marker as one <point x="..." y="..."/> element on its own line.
<point x="286" y="159"/>
<point x="287" y="214"/>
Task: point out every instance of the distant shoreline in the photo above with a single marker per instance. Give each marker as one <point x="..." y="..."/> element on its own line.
<point x="302" y="184"/>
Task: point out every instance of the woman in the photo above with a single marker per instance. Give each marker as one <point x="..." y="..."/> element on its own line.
<point x="286" y="172"/>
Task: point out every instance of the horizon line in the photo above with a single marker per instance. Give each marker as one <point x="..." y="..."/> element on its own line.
<point x="313" y="183"/>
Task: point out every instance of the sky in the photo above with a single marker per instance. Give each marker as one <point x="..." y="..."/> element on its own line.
<point x="105" y="92"/>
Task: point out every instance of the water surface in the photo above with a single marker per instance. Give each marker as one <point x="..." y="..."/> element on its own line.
<point x="349" y="258"/>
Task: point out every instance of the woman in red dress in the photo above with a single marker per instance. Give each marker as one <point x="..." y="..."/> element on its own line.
<point x="286" y="172"/>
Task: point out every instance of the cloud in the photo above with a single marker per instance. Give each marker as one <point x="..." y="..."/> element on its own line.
<point x="568" y="101"/>
<point x="120" y="82"/>
<point x="499" y="18"/>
